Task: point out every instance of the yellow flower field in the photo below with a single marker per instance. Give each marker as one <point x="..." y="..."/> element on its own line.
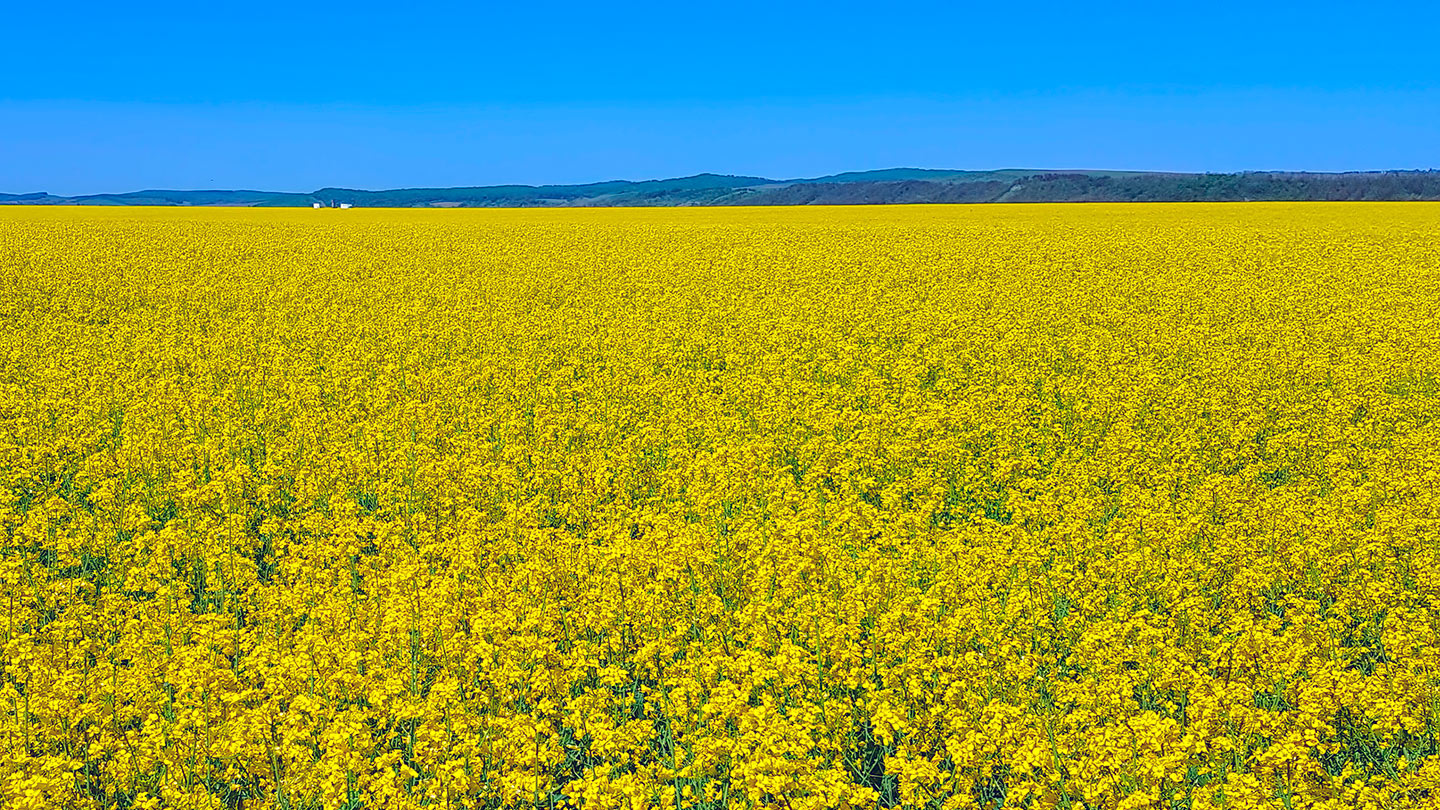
<point x="1086" y="506"/>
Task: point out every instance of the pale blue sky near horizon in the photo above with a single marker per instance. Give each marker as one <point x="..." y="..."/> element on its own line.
<point x="292" y="97"/>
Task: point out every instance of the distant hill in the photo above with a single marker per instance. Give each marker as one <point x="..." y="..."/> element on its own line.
<point x="885" y="186"/>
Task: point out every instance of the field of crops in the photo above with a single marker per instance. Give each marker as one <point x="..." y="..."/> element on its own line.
<point x="1099" y="506"/>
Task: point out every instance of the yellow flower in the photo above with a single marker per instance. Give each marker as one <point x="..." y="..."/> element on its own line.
<point x="957" y="507"/>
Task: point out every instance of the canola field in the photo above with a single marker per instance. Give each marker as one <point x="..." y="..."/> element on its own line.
<point x="1086" y="506"/>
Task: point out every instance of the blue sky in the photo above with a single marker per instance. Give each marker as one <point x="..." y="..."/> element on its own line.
<point x="294" y="96"/>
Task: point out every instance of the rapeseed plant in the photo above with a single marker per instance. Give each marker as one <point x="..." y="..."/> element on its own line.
<point x="936" y="507"/>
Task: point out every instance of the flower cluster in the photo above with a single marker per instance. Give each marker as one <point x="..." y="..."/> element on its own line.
<point x="930" y="507"/>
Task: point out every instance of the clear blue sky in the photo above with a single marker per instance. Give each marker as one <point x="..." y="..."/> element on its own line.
<point x="297" y="95"/>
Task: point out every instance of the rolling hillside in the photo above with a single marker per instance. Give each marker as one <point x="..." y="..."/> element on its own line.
<point x="885" y="186"/>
